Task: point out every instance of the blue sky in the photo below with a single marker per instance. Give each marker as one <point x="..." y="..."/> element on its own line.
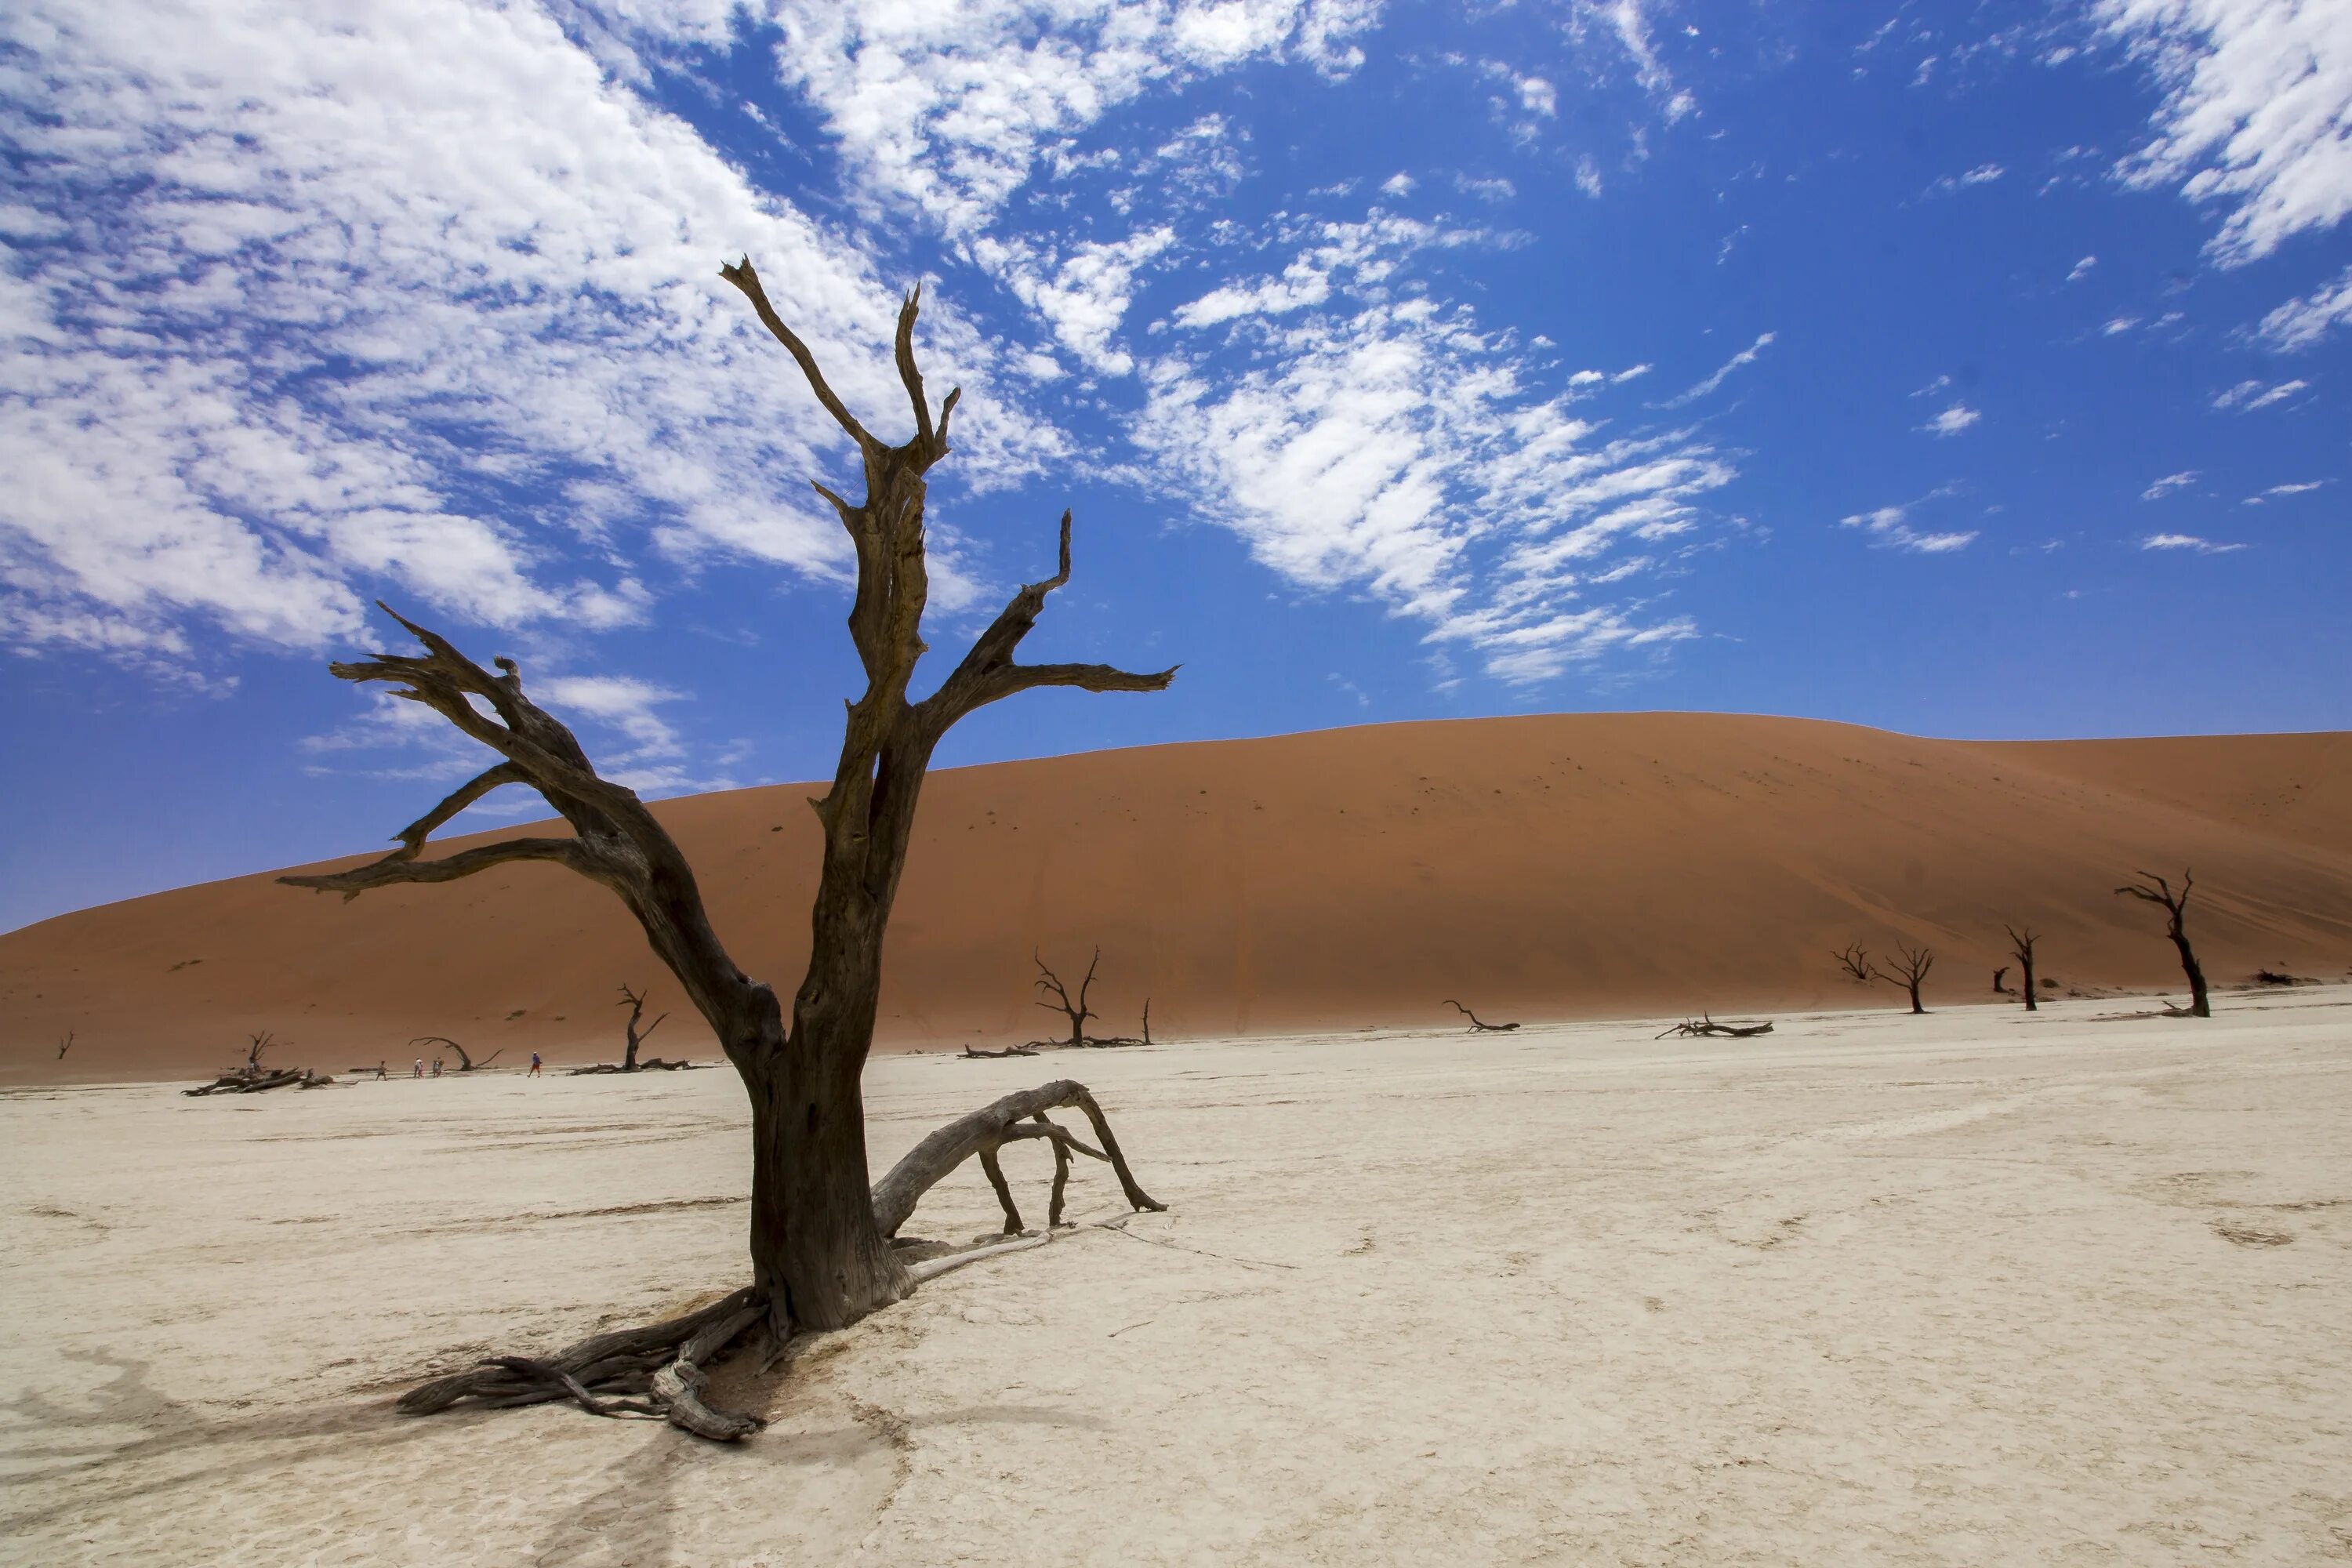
<point x="1966" y="370"/>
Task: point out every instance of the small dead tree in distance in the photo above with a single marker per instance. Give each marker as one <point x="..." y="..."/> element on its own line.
<point x="1908" y="968"/>
<point x="1854" y="959"/>
<point x="635" y="1001"/>
<point x="819" y="1237"/>
<point x="1999" y="987"/>
<point x="65" y="1044"/>
<point x="1056" y="998"/>
<point x="2152" y="889"/>
<point x="465" y="1062"/>
<point x="2021" y="947"/>
<point x="1479" y="1026"/>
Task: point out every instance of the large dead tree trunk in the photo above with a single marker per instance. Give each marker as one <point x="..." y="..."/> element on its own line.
<point x="2152" y="889"/>
<point x="819" y="1257"/>
<point x="2021" y="947"/>
<point x="1908" y="969"/>
<point x="466" y="1063"/>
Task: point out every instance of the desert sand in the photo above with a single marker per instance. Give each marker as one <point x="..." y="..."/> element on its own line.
<point x="1545" y="868"/>
<point x="1975" y="1287"/>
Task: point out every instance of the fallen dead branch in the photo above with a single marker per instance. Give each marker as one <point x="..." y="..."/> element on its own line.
<point x="1479" y="1026"/>
<point x="973" y="1053"/>
<point x="1707" y="1026"/>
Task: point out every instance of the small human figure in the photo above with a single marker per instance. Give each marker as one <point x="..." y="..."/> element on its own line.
<point x="534" y="1066"/>
<point x="420" y="1066"/>
<point x="437" y="1067"/>
<point x="379" y="1066"/>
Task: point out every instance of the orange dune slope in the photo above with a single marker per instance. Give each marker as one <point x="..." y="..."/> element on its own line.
<point x="1534" y="868"/>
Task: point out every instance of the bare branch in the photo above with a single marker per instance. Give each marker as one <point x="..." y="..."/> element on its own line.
<point x="910" y="375"/>
<point x="744" y="277"/>
<point x="988" y="673"/>
<point x="398" y="867"/>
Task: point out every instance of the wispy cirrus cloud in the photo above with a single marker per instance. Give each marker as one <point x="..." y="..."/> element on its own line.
<point x="2188" y="541"/>
<point x="1889" y="528"/>
<point x="2169" y="483"/>
<point x="2300" y="323"/>
<point x="2249" y="396"/>
<point x="1738" y="361"/>
<point x="1393" y="449"/>
<point x="1952" y="420"/>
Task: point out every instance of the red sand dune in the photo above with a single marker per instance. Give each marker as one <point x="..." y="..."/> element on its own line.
<point x="1536" y="868"/>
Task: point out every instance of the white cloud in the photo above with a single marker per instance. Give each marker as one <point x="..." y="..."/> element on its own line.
<point x="1630" y="373"/>
<point x="1982" y="174"/>
<point x="1739" y="361"/>
<point x="1366" y="253"/>
<point x="2249" y="396"/>
<point x="1397" y="184"/>
<point x="1889" y="528"/>
<point x="945" y="109"/>
<point x="2082" y="269"/>
<point x="2118" y="325"/>
<point x="1624" y="18"/>
<point x="2169" y="483"/>
<point x="1587" y="177"/>
<point x="1493" y="188"/>
<point x="326" y="294"/>
<point x="2300" y="323"/>
<point x="1082" y="295"/>
<point x="2186" y="541"/>
<point x="2257" y="99"/>
<point x="1952" y="420"/>
<point x="1396" y="451"/>
<point x="2275" y="491"/>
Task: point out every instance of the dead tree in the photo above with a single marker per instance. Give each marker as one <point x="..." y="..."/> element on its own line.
<point x="635" y="1001"/>
<point x="1907" y="969"/>
<point x="2152" y="889"/>
<point x="1854" y="959"/>
<point x="1479" y="1026"/>
<point x="1999" y="989"/>
<point x="2021" y="947"/>
<point x="973" y="1053"/>
<point x="253" y="1056"/>
<point x="465" y="1062"/>
<point x="1056" y="998"/>
<point x="67" y="1044"/>
<point x="820" y="1239"/>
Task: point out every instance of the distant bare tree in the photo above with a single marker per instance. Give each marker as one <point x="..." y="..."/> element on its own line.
<point x="2152" y="889"/>
<point x="2021" y="947"/>
<point x="1999" y="988"/>
<point x="1057" y="997"/>
<point x="1854" y="959"/>
<point x="261" y="1042"/>
<point x="1907" y="969"/>
<point x="65" y="1044"/>
<point x="635" y="1001"/>
<point x="1479" y="1026"/>
<point x="465" y="1062"/>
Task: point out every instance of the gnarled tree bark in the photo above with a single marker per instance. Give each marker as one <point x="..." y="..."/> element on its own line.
<point x="820" y="1259"/>
<point x="1479" y="1026"/>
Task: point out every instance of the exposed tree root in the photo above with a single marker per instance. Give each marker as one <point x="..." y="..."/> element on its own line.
<point x="655" y="1372"/>
<point x="1706" y="1025"/>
